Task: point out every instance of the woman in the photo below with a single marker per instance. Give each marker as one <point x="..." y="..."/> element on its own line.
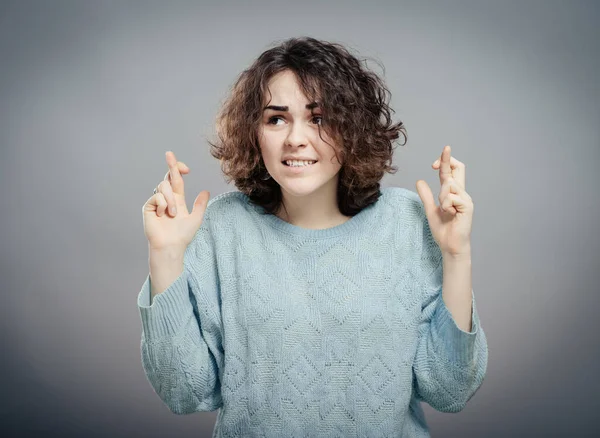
<point x="309" y="302"/>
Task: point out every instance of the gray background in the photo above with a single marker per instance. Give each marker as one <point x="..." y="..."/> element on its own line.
<point x="92" y="94"/>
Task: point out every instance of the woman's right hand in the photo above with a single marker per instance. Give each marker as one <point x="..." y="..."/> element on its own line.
<point x="172" y="231"/>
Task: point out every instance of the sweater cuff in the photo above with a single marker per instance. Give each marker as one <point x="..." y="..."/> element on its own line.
<point x="458" y="344"/>
<point x="168" y="311"/>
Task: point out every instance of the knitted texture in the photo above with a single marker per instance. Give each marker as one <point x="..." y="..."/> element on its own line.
<point x="294" y="332"/>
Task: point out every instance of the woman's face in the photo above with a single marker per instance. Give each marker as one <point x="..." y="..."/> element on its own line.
<point x="292" y="131"/>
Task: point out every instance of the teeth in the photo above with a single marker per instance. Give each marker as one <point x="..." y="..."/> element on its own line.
<point x="299" y="163"/>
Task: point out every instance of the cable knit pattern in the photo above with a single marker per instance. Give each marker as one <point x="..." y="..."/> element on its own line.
<point x="293" y="332"/>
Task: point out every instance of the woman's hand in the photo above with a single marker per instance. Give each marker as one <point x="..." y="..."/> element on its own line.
<point x="177" y="229"/>
<point x="451" y="223"/>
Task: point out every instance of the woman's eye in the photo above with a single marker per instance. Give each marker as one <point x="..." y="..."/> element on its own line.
<point x="274" y="119"/>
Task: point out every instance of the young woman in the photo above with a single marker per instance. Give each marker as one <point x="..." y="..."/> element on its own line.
<point x="311" y="302"/>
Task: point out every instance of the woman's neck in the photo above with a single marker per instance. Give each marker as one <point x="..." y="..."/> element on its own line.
<point x="316" y="211"/>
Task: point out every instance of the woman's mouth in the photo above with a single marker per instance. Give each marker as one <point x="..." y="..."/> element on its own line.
<point x="298" y="167"/>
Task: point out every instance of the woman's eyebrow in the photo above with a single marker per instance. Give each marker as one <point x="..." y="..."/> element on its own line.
<point x="286" y="108"/>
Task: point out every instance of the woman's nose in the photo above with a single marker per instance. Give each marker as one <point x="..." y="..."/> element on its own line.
<point x="297" y="135"/>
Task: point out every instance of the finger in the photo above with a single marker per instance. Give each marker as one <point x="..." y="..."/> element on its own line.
<point x="448" y="205"/>
<point x="458" y="170"/>
<point x="455" y="203"/>
<point x="426" y="196"/>
<point x="445" y="168"/>
<point x="161" y="204"/>
<point x="449" y="187"/>
<point x="444" y="190"/>
<point x="175" y="175"/>
<point x="165" y="188"/>
<point x="183" y="169"/>
<point x="453" y="163"/>
<point x="461" y="200"/>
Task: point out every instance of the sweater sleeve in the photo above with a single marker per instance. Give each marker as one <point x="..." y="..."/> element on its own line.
<point x="181" y="343"/>
<point x="450" y="363"/>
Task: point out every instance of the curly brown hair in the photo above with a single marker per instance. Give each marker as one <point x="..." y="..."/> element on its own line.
<point x="354" y="103"/>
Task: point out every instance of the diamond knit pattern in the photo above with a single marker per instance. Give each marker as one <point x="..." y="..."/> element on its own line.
<point x="294" y="332"/>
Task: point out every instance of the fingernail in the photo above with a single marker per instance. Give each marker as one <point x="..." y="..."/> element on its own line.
<point x="173" y="210"/>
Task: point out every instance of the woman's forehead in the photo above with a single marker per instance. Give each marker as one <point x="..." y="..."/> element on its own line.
<point x="286" y="85"/>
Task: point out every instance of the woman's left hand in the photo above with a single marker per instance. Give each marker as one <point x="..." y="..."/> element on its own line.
<point x="451" y="222"/>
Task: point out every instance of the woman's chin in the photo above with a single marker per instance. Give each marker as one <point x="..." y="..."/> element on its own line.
<point x="299" y="190"/>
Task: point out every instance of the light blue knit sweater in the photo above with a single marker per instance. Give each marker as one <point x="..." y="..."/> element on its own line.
<point x="339" y="332"/>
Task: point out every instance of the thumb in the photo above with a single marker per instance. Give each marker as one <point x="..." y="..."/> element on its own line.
<point x="426" y="196"/>
<point x="199" y="207"/>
